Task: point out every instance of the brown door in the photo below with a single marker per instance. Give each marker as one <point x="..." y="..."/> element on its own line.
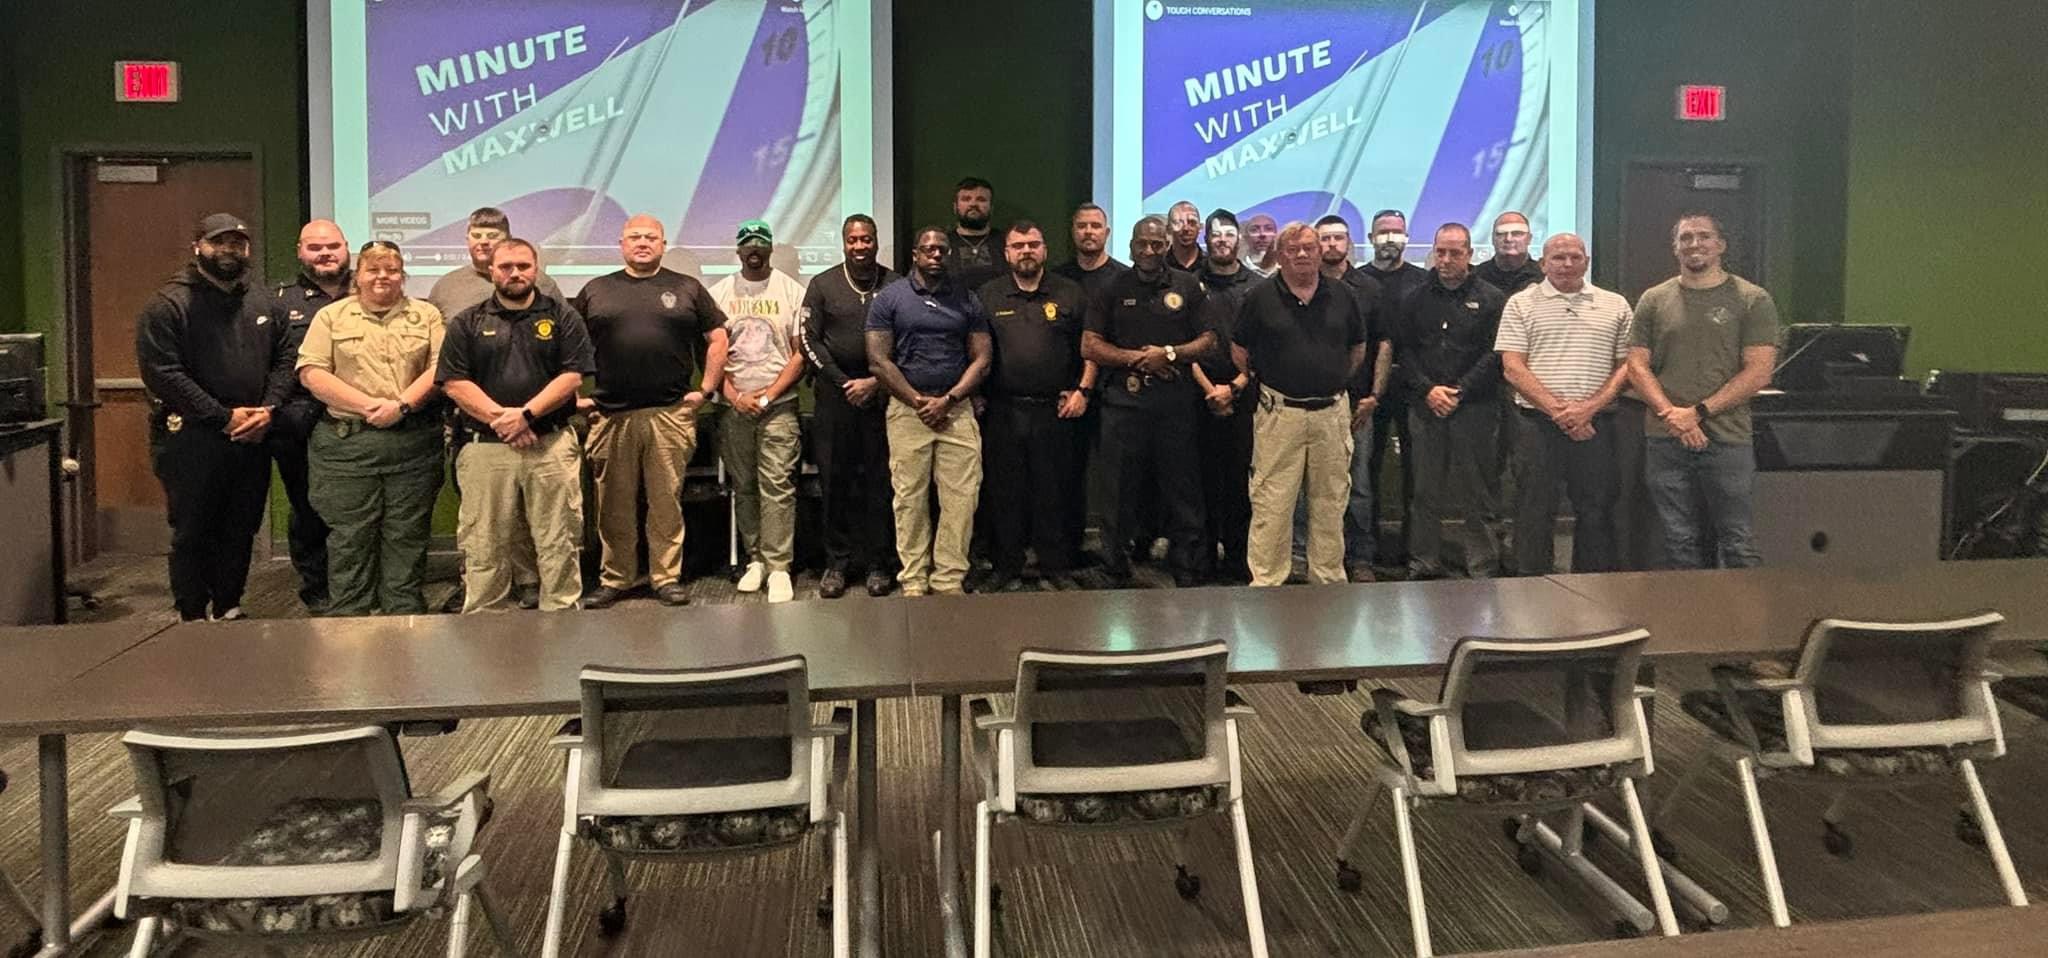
<point x="132" y="230"/>
<point x="1654" y="196"/>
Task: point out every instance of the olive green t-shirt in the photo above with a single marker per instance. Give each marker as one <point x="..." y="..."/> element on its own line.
<point x="1696" y="337"/>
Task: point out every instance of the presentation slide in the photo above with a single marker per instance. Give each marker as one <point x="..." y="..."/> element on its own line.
<point x="572" y="116"/>
<point x="1450" y="111"/>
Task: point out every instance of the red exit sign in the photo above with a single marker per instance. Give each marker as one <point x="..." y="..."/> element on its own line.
<point x="146" y="81"/>
<point x="1699" y="102"/>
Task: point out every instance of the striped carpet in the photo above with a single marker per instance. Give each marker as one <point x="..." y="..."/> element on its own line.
<point x="1113" y="895"/>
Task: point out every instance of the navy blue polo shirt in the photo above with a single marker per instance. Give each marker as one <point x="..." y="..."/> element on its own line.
<point x="930" y="327"/>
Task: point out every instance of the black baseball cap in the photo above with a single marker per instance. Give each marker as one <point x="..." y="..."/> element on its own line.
<point x="218" y="223"/>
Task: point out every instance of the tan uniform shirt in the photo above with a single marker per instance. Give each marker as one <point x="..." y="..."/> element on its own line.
<point x="380" y="355"/>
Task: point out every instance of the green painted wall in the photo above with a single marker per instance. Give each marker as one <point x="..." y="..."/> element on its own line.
<point x="1948" y="206"/>
<point x="11" y="319"/>
<point x="243" y="86"/>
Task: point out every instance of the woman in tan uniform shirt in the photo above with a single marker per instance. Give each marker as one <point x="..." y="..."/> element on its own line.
<point x="376" y="456"/>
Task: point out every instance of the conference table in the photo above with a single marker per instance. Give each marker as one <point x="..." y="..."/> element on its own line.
<point x="439" y="667"/>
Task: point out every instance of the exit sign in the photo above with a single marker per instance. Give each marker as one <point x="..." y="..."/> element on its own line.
<point x="146" y="81"/>
<point x="1698" y="102"/>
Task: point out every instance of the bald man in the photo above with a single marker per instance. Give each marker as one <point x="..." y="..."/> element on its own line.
<point x="645" y="324"/>
<point x="324" y="277"/>
<point x="1563" y="346"/>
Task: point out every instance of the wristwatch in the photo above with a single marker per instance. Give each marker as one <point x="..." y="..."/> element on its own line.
<point x="1700" y="410"/>
<point x="405" y="408"/>
<point x="1171" y="356"/>
<point x="528" y="413"/>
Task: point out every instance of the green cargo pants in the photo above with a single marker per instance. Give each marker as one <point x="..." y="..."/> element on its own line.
<point x="376" y="488"/>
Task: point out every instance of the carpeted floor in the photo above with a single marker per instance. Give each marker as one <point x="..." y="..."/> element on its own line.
<point x="1087" y="895"/>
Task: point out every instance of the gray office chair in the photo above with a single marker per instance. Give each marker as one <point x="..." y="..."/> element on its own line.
<point x="682" y="764"/>
<point x="1867" y="703"/>
<point x="1537" y="728"/>
<point x="15" y="900"/>
<point x="1113" y="740"/>
<point x="291" y="838"/>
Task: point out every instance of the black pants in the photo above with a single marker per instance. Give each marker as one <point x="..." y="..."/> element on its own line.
<point x="1224" y="444"/>
<point x="308" y="532"/>
<point x="216" y="490"/>
<point x="1027" y="450"/>
<point x="1389" y="416"/>
<point x="1638" y="533"/>
<point x="852" y="445"/>
<point x="1086" y="432"/>
<point x="1453" y="456"/>
<point x="1545" y="457"/>
<point x="1155" y="443"/>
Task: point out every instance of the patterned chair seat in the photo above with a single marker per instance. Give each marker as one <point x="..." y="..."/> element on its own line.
<point x="716" y="831"/>
<point x="307" y="832"/>
<point x="1520" y="788"/>
<point x="1121" y="808"/>
<point x="1766" y="711"/>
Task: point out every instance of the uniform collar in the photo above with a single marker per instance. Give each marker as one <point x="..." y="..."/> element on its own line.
<point x="1548" y="291"/>
<point x="1436" y="281"/>
<point x="306" y="282"/>
<point x="541" y="301"/>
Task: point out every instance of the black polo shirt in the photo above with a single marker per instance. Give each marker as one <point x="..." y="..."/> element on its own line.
<point x="1395" y="285"/>
<point x="1302" y="349"/>
<point x="512" y="354"/>
<point x="294" y="304"/>
<point x="1173" y="260"/>
<point x="1132" y="312"/>
<point x="1509" y="281"/>
<point x="1037" y="335"/>
<point x="1227" y="290"/>
<point x="1372" y="299"/>
<point x="644" y="333"/>
<point x="1091" y="280"/>
<point x="835" y="318"/>
<point x="1443" y="336"/>
<point x="974" y="260"/>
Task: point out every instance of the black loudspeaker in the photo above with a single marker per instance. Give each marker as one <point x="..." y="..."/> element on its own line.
<point x="21" y="377"/>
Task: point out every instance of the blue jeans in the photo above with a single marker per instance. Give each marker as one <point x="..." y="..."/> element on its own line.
<point x="1358" y="512"/>
<point x="1716" y="481"/>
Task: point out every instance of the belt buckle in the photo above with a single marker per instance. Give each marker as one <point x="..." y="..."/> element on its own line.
<point x="1134" y="383"/>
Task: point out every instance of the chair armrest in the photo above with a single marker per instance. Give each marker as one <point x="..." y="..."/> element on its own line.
<point x="1405" y="705"/>
<point x="570" y="735"/>
<point x="1646" y="692"/>
<point x="985" y="717"/>
<point x="130" y="809"/>
<point x="1235" y="706"/>
<point x="1738" y="677"/>
<point x="1989" y="677"/>
<point x="1730" y="681"/>
<point x="449" y="796"/>
<point x="1386" y="703"/>
<point x="841" y="723"/>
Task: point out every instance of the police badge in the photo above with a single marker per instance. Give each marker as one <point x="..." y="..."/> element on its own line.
<point x="1134" y="383"/>
<point x="668" y="299"/>
<point x="1052" y="313"/>
<point x="174" y="422"/>
<point x="544" y="329"/>
<point x="1173" y="300"/>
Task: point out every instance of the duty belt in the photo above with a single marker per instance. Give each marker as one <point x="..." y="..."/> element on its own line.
<point x="1312" y="404"/>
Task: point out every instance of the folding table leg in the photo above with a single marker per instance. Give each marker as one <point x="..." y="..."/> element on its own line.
<point x="950" y="911"/>
<point x="866" y="816"/>
<point x="54" y="784"/>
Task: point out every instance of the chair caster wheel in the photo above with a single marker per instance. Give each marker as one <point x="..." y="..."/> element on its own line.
<point x="1663" y="846"/>
<point x="612" y="919"/>
<point x="1836" y="841"/>
<point x="1512" y="828"/>
<point x="1189" y="886"/>
<point x="1530" y="859"/>
<point x="1349" y="879"/>
<point x="1625" y="929"/>
<point x="824" y="910"/>
<point x="1968" y="831"/>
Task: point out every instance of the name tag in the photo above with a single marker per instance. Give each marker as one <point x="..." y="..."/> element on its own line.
<point x="1006" y="312"/>
<point x="1131" y="302"/>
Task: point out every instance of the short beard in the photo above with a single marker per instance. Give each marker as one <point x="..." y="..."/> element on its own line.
<point x="226" y="272"/>
<point x="974" y="222"/>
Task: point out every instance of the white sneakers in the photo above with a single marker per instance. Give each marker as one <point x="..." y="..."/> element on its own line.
<point x="780" y="589"/>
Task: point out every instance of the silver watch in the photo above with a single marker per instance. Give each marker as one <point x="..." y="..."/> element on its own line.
<point x="1171" y="356"/>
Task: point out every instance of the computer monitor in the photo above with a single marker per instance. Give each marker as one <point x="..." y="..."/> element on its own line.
<point x="1822" y="357"/>
<point x="21" y="377"/>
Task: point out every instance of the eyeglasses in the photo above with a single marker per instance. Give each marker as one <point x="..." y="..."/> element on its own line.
<point x="378" y="244"/>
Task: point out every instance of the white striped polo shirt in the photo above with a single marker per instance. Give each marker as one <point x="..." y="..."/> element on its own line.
<point x="1573" y="341"/>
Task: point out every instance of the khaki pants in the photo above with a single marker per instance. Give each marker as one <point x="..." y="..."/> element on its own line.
<point x="918" y="457"/>
<point x="1296" y="451"/>
<point x="504" y="490"/>
<point x="641" y="450"/>
<point x="760" y="454"/>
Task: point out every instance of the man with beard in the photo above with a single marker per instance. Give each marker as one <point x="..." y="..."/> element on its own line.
<point x="1223" y="438"/>
<point x="928" y="342"/>
<point x="1093" y="268"/>
<point x="456" y="291"/>
<point x="216" y="366"/>
<point x="1445" y="333"/>
<point x="1366" y="387"/>
<point x="323" y="277"/>
<point x="1144" y="329"/>
<point x="1397" y="278"/>
<point x="512" y="365"/>
<point x="1260" y="230"/>
<point x="1703" y="343"/>
<point x="977" y="251"/>
<point x="851" y="438"/>
<point x="1039" y="388"/>
<point x="1185" y="222"/>
<point x="645" y="322"/>
<point x="1511" y="270"/>
<point x="759" y="438"/>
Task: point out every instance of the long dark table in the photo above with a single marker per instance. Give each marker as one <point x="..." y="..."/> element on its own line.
<point x="385" y="669"/>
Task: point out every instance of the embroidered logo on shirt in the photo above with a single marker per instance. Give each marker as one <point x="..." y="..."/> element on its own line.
<point x="1131" y="302"/>
<point x="668" y="300"/>
<point x="1052" y="312"/>
<point x="1720" y="315"/>
<point x="1172" y="300"/>
<point x="544" y="329"/>
<point x="1006" y="312"/>
<point x="1472" y="304"/>
<point x="260" y="320"/>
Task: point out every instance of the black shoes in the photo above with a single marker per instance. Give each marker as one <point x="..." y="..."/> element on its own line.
<point x="602" y="597"/>
<point x="881" y="584"/>
<point x="832" y="584"/>
<point x="673" y="594"/>
<point x="527" y="595"/>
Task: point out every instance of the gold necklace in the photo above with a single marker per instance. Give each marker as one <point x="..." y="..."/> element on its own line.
<point x="864" y="294"/>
